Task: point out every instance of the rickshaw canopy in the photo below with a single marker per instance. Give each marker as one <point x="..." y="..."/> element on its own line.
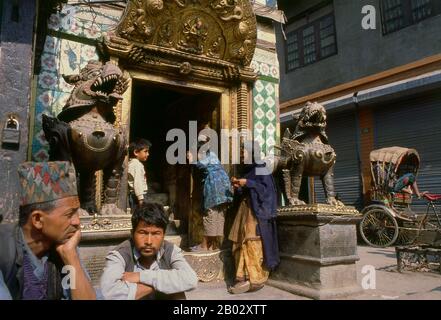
<point x="394" y="156"/>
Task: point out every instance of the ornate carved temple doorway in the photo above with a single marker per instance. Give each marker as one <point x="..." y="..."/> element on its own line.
<point x="187" y="60"/>
<point x="156" y="109"/>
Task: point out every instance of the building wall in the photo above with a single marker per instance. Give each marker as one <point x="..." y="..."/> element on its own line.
<point x="360" y="52"/>
<point x="16" y="45"/>
<point x="370" y="73"/>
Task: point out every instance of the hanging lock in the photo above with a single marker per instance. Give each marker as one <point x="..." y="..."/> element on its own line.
<point x="11" y="131"/>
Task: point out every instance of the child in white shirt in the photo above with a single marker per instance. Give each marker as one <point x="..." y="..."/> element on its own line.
<point x="138" y="154"/>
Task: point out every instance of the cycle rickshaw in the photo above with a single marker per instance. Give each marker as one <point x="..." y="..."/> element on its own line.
<point x="389" y="218"/>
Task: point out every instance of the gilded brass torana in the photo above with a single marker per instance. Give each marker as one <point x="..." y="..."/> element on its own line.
<point x="208" y="40"/>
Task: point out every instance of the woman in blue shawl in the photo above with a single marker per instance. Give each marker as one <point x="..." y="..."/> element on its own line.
<point x="216" y="195"/>
<point x="254" y="231"/>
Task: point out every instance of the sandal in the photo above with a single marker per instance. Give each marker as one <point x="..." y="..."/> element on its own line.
<point x="240" y="287"/>
<point x="256" y="287"/>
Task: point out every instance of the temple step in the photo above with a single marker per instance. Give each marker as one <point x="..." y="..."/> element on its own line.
<point x="161" y="198"/>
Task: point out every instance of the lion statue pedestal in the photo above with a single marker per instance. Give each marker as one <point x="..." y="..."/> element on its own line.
<point x="317" y="242"/>
<point x="318" y="251"/>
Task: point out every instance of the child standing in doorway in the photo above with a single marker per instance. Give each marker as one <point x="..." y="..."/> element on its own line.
<point x="139" y="152"/>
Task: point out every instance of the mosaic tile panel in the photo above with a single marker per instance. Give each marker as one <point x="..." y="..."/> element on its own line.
<point x="61" y="56"/>
<point x="265" y="114"/>
<point x="81" y="21"/>
<point x="265" y="63"/>
<point x="265" y="99"/>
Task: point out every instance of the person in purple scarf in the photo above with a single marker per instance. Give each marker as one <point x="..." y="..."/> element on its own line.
<point x="39" y="257"/>
<point x="254" y="231"/>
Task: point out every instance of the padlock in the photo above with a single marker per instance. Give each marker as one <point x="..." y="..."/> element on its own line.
<point x="11" y="132"/>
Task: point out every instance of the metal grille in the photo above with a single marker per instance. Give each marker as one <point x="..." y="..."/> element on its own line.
<point x="393" y="15"/>
<point x="311" y="43"/>
<point x="342" y="134"/>
<point x="414" y="123"/>
<point x="398" y="14"/>
<point x="293" y="51"/>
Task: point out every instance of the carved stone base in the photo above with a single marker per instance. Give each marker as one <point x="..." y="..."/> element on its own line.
<point x="208" y="266"/>
<point x="111" y="210"/>
<point x="318" y="208"/>
<point x="318" y="252"/>
<point x="97" y="228"/>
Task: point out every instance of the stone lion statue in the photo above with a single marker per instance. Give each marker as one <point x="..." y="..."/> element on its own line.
<point x="84" y="131"/>
<point x="306" y="152"/>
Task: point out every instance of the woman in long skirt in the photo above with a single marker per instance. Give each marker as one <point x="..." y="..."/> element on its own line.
<point x="254" y="230"/>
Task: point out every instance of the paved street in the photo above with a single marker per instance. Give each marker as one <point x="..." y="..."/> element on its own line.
<point x="390" y="284"/>
<point x="394" y="285"/>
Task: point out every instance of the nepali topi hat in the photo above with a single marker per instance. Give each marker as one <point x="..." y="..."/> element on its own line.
<point x="46" y="181"/>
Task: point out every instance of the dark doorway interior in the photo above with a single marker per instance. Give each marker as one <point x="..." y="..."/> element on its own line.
<point x="155" y="110"/>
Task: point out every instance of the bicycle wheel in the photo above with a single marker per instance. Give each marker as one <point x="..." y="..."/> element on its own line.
<point x="378" y="228"/>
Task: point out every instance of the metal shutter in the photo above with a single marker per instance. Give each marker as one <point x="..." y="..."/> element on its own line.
<point x="414" y="123"/>
<point x="342" y="134"/>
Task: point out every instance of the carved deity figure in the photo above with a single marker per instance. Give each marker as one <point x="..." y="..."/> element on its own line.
<point x="306" y="153"/>
<point x="227" y="9"/>
<point x="165" y="34"/>
<point x="139" y="25"/>
<point x="154" y="6"/>
<point x="195" y="33"/>
<point x="84" y="134"/>
<point x="214" y="51"/>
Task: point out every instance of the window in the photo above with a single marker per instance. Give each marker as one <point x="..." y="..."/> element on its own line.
<point x="398" y="14"/>
<point x="311" y="43"/>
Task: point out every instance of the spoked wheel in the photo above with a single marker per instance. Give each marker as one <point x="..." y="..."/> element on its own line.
<point x="378" y="228"/>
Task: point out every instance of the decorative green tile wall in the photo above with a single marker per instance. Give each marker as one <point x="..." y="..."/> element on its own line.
<point x="65" y="52"/>
<point x="265" y="99"/>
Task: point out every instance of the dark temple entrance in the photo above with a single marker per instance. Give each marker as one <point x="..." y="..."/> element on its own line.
<point x="155" y="110"/>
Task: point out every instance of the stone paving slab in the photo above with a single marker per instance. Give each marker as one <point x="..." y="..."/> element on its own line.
<point x="390" y="284"/>
<point x="217" y="290"/>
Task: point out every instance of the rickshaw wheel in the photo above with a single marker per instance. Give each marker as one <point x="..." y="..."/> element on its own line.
<point x="379" y="228"/>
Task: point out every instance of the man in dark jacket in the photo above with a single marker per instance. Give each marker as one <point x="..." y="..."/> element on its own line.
<point x="42" y="248"/>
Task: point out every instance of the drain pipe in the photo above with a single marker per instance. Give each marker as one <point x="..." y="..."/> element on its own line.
<point x="355" y="101"/>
